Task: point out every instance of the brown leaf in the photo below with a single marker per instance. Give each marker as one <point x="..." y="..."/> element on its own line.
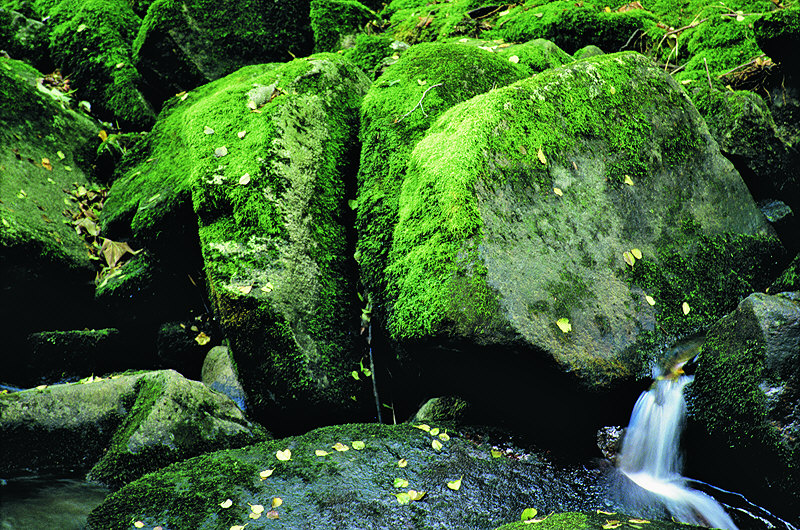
<point x="113" y="251"/>
<point x="46" y="164"/>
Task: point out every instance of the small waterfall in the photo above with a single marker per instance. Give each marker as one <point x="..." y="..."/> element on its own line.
<point x="650" y="457"/>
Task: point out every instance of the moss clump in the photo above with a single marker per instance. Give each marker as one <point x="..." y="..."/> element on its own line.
<point x="415" y="21"/>
<point x="392" y="123"/>
<point x="369" y="51"/>
<point x="778" y="34"/>
<point x="333" y="20"/>
<point x="789" y="280"/>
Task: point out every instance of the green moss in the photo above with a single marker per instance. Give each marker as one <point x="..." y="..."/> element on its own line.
<point x="415" y="21"/>
<point x="369" y="51"/>
<point x="331" y="20"/>
<point x="596" y="520"/>
<point x="778" y="35"/>
<point x="789" y="280"/>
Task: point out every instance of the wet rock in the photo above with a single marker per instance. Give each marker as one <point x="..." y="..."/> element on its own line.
<point x="58" y="356"/>
<point x="181" y="45"/>
<point x="609" y="441"/>
<point x="120" y="427"/>
<point x="353" y="488"/>
<point x="220" y="374"/>
<point x="267" y="182"/>
<point x="45" y="266"/>
<point x="443" y="409"/>
<point x="744" y="402"/>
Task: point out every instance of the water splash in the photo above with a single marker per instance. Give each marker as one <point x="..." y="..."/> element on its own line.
<point x="651" y="460"/>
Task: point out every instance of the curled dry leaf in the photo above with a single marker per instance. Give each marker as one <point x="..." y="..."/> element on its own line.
<point x="284" y="455"/>
<point x="266" y="474"/>
<point x="226" y="503"/>
<point x="46" y="164"/>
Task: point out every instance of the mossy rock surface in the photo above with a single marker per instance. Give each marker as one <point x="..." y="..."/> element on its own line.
<point x="519" y="205"/>
<point x="121" y="427"/>
<point x="90" y="41"/>
<point x="743" y="402"/>
<point x="58" y="356"/>
<point x="183" y="44"/>
<point x="334" y="20"/>
<point x="41" y="256"/>
<point x="263" y="161"/>
<point x="353" y="487"/>
<point x="597" y="520"/>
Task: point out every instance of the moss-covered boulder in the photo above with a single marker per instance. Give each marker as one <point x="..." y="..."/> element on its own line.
<point x="90" y="41"/>
<point x="596" y="520"/>
<point x="352" y="477"/>
<point x="121" y="427"/>
<point x="183" y="44"/>
<point x="778" y="34"/>
<point x="744" y="404"/>
<point x="57" y="356"/>
<point x="427" y="80"/>
<point x="263" y="161"/>
<point x="48" y="147"/>
<point x="24" y="38"/>
<point x="584" y="215"/>
<point x="336" y="21"/>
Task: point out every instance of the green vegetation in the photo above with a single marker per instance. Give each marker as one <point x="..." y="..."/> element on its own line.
<point x="333" y="20"/>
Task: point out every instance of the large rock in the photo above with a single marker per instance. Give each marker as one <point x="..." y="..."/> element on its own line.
<point x="44" y="264"/>
<point x="518" y="212"/>
<point x="744" y="403"/>
<point x="121" y="427"/>
<point x="184" y="43"/>
<point x="267" y="182"/>
<point x="353" y="487"/>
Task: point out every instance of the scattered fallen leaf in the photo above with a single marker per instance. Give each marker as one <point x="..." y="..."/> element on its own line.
<point x="268" y="287"/>
<point x="402" y="462"/>
<point x="208" y="130"/>
<point x="241" y="134"/>
<point x="650" y="299"/>
<point x="558" y="192"/>
<point x="320" y="452"/>
<point x="423" y="427"/>
<point x="636" y="253"/>
<point x="602" y="512"/>
<point x="564" y="325"/>
<point x="434" y="431"/>
<point x="138" y="524"/>
<point x="400" y="483"/>
<point x="628" y="180"/>
<point x="202" y="339"/>
<point x="403" y="497"/>
<point x="514" y="59"/>
<point x="183" y="97"/>
<point x="355" y="375"/>
<point x="239" y="526"/>
<point x="358" y="445"/>
<point x="443" y="436"/>
<point x="244" y="179"/>
<point x="103" y="135"/>
<point x="41" y="387"/>
<point x="437" y="445"/>
<point x="528" y="513"/>
<point x="613" y="523"/>
<point x="629" y="259"/>
<point x="276" y="501"/>
<point x="61" y="155"/>
<point x="455" y="484"/>
<point x="685" y="308"/>
<point x="46" y="164"/>
<point x="220" y="151"/>
<point x="113" y="251"/>
<point x="421" y="81"/>
<point x="254" y="515"/>
<point x="257" y="508"/>
<point x="639" y="521"/>
<point x="226" y="503"/>
<point x="284" y="455"/>
<point x="613" y="90"/>
<point x="266" y="474"/>
<point x="272" y="514"/>
<point x="415" y="495"/>
<point x="496" y="453"/>
<point x="540" y="155"/>
<point x="245" y="289"/>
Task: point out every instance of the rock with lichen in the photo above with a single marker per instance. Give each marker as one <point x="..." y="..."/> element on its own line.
<point x="257" y="167"/>
<point x="573" y="221"/>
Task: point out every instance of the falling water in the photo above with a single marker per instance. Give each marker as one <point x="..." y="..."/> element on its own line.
<point x="650" y="457"/>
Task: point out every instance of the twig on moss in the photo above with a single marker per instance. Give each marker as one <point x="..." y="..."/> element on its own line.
<point x="674" y="31"/>
<point x="419" y="103"/>
<point x="636" y="32"/>
<point x="707" y="74"/>
<point x="748" y="63"/>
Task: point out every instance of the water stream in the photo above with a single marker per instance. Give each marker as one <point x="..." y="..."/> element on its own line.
<point x="651" y="461"/>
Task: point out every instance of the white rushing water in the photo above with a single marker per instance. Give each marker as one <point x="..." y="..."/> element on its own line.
<point x="650" y="457"/>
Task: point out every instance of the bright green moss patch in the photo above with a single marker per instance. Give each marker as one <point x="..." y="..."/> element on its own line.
<point x="596" y="520"/>
<point x="368" y="51"/>
<point x="332" y="20"/>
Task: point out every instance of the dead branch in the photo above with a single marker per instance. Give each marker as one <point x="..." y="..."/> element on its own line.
<point x="419" y="103"/>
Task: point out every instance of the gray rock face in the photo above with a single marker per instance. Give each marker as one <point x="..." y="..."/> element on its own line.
<point x="121" y="427"/>
<point x="219" y="373"/>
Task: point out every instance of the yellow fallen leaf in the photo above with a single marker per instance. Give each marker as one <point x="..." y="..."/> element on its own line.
<point x="272" y="514"/>
<point x="629" y="259"/>
<point x="636" y="253"/>
<point x="276" y="501"/>
<point x="613" y="90"/>
<point x="607" y="9"/>
<point x="685" y="308"/>
<point x="61" y="155"/>
<point x="245" y="289"/>
<point x="254" y="515"/>
<point x="434" y="431"/>
<point x="650" y="299"/>
<point x="400" y="483"/>
<point x="284" y="455"/>
<point x="415" y="495"/>
<point x="639" y="521"/>
<point x="244" y="179"/>
<point x="528" y="513"/>
<point x="339" y="446"/>
<point x="402" y="462"/>
<point x="403" y="497"/>
<point x="241" y="134"/>
<point x="256" y="508"/>
<point x="46" y="164"/>
<point x="443" y="436"/>
<point x="320" y="452"/>
<point x="103" y="135"/>
<point x="239" y="526"/>
<point x="41" y="387"/>
<point x="208" y="130"/>
<point x="628" y="180"/>
<point x="267" y="287"/>
<point x="423" y="427"/>
<point x="612" y="524"/>
<point x="455" y="484"/>
<point x="558" y="192"/>
<point x="437" y="445"/>
<point x="496" y="454"/>
<point x="202" y="339"/>
<point x="602" y="512"/>
<point x="564" y="325"/>
<point x="138" y="524"/>
<point x="540" y="155"/>
<point x="358" y="445"/>
<point x="226" y="503"/>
